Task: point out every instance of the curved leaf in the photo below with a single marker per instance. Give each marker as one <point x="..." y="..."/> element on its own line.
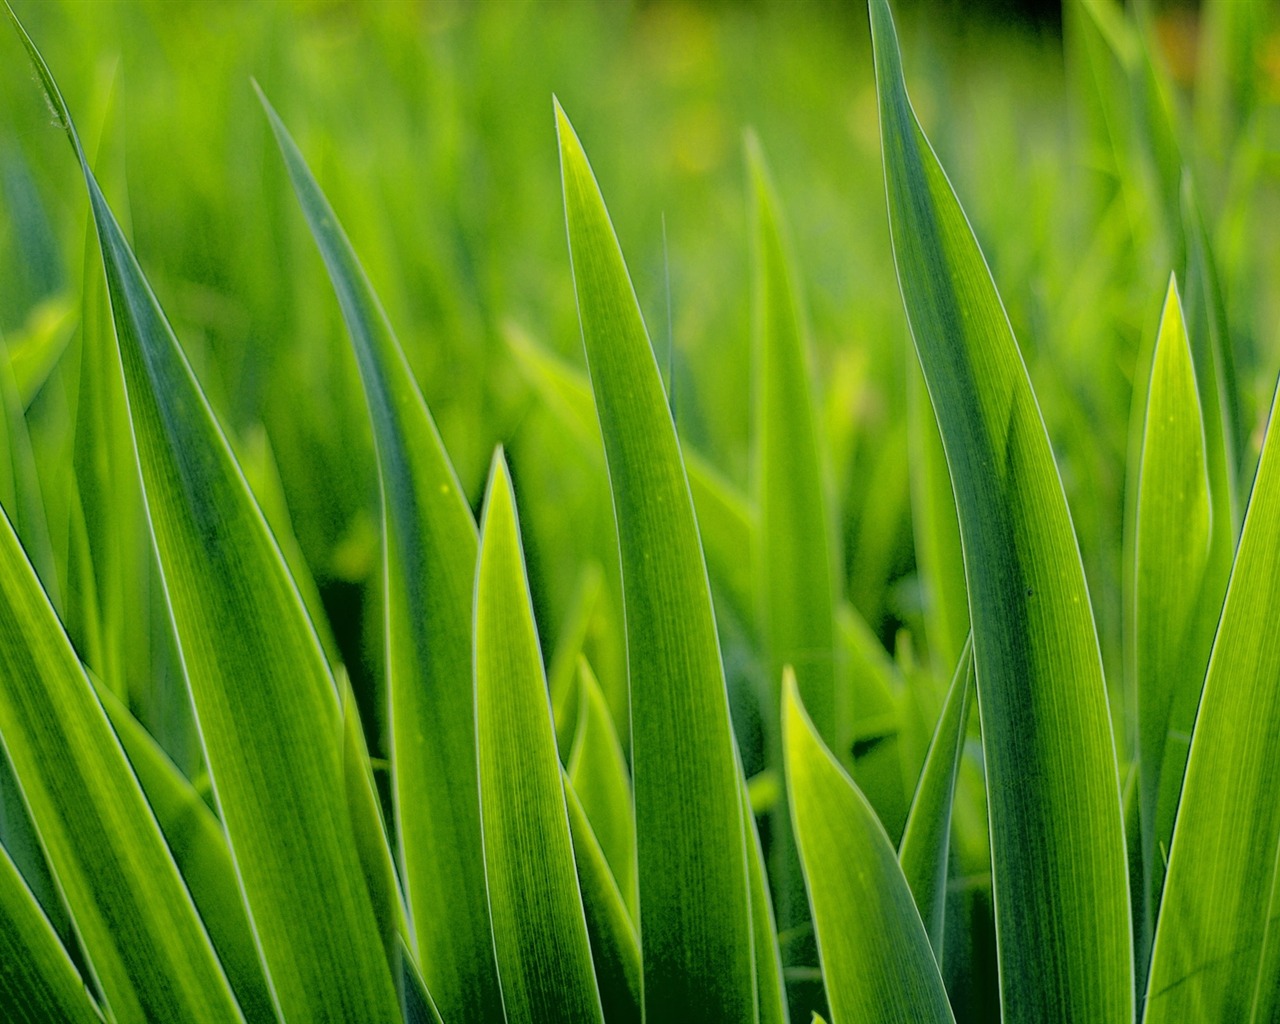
<point x="143" y="938"/>
<point x="1175" y="611"/>
<point x="598" y="772"/>
<point x="429" y="552"/>
<point x="876" y="961"/>
<point x="695" y="916"/>
<point x="199" y="846"/>
<point x="539" y="930"/>
<point x="1058" y="854"/>
<point x="926" y="840"/>
<point x="615" y="947"/>
<point x="257" y="675"/>
<point x="38" y="984"/>
<point x="1218" y="907"/>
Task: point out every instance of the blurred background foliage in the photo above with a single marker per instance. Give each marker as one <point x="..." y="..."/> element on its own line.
<point x="1068" y="134"/>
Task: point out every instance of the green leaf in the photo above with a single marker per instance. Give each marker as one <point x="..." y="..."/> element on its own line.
<point x="39" y="984"/>
<point x="429" y="552"/>
<point x="1218" y="907"/>
<point x="416" y="1004"/>
<point x="199" y="847"/>
<point x="796" y="588"/>
<point x="539" y="929"/>
<point x="695" y="914"/>
<point x="141" y="933"/>
<point x="876" y="961"/>
<point x="562" y="673"/>
<point x="1177" y="588"/>
<point x="266" y="705"/>
<point x="926" y="840"/>
<point x="771" y="988"/>
<point x="1056" y="822"/>
<point x="615" y="947"/>
<point x="598" y="772"/>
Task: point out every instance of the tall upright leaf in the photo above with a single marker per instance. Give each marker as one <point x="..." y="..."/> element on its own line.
<point x="429" y="552"/>
<point x="1218" y="910"/>
<point x="876" y="961"/>
<point x="39" y="984"/>
<point x="265" y="702"/>
<point x="539" y="927"/>
<point x="1176" y="607"/>
<point x="926" y="839"/>
<point x="1058" y="853"/>
<point x="143" y="938"/>
<point x="695" y="917"/>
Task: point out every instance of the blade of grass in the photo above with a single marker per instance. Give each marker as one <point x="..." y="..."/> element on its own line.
<point x="1055" y="812"/>
<point x="416" y="1004"/>
<point x="39" y="984"/>
<point x="1175" y="604"/>
<point x="1217" y="907"/>
<point x="771" y="987"/>
<point x="539" y="929"/>
<point x="926" y="840"/>
<point x="695" y="916"/>
<point x="266" y="705"/>
<point x="148" y="950"/>
<point x="429" y="551"/>
<point x="615" y="947"/>
<point x="598" y="772"/>
<point x="199" y="847"/>
<point x="876" y="961"/>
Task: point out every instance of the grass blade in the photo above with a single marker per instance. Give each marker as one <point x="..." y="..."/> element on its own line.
<point x="199" y="846"/>
<point x="539" y="930"/>
<point x="429" y="552"/>
<point x="1055" y="813"/>
<point x="615" y="947"/>
<point x="695" y="917"/>
<point x="256" y="672"/>
<point x="598" y="772"/>
<point x="1218" y="904"/>
<point x="39" y="984"/>
<point x="1175" y="607"/>
<point x="140" y="931"/>
<point x="416" y="1004"/>
<point x="875" y="955"/>
<point x="771" y="987"/>
<point x="926" y="840"/>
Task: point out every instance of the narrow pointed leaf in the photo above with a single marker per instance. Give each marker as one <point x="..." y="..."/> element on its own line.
<point x="1176" y="610"/>
<point x="794" y="578"/>
<point x="926" y="840"/>
<point x="140" y="931"/>
<point x="199" y="846"/>
<point x="1218" y="907"/>
<point x="695" y="917"/>
<point x="876" y="961"/>
<point x="771" y="988"/>
<point x="429" y="552"/>
<point x="615" y="947"/>
<point x="38" y="983"/>
<point x="266" y="705"/>
<point x="416" y="1004"/>
<point x="539" y="931"/>
<point x="598" y="772"/>
<point x="1058" y="855"/>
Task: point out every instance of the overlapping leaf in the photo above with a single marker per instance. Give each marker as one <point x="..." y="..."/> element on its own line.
<point x="535" y="905"/>
<point x="695" y="917"/>
<point x="1058" y="853"/>
<point x="876" y="961"/>
<point x="266" y="704"/>
<point x="429" y="550"/>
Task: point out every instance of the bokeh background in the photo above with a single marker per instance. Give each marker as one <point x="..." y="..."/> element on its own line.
<point x="1067" y="133"/>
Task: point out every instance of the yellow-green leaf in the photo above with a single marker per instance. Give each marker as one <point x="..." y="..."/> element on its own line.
<point x="539" y="929"/>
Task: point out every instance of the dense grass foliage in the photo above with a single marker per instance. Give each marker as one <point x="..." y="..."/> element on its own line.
<point x="799" y="538"/>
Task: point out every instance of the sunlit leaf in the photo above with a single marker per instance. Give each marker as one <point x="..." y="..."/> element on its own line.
<point x="695" y="917"/>
<point x="1058" y="855"/>
<point x="539" y="929"/>
<point x="876" y="961"/>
